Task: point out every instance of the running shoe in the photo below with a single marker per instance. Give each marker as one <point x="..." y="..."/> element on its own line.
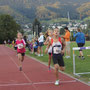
<point x="20" y="68"/>
<point x="57" y="82"/>
<point x="38" y="55"/>
<point x="49" y="69"/>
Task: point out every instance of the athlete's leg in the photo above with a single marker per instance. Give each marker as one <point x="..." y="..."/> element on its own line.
<point x="56" y="74"/>
<point x="62" y="68"/>
<point x="49" y="61"/>
<point x="20" y="60"/>
<point x="56" y="66"/>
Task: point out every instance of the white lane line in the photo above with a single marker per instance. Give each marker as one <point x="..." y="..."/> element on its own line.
<point x="37" y="83"/>
<point x="21" y="71"/>
<point x="21" y="84"/>
<point x="18" y="69"/>
<point x="53" y="68"/>
<point x="59" y="71"/>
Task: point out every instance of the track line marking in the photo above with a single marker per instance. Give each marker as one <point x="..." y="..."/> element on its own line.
<point x="59" y="71"/>
<point x="21" y="71"/>
<point x="38" y="83"/>
<point x="53" y="68"/>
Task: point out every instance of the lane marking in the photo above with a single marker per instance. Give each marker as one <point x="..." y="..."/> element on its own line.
<point x="21" y="71"/>
<point x="59" y="71"/>
<point x="53" y="68"/>
<point x="37" y="83"/>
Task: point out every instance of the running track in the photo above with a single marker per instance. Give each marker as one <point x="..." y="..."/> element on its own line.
<point x="34" y="75"/>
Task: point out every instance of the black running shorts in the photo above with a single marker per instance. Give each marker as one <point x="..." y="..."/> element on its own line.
<point x="80" y="45"/>
<point x="23" y="54"/>
<point x="58" y="59"/>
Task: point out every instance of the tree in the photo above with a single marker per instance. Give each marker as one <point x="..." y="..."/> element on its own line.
<point x="62" y="31"/>
<point x="37" y="28"/>
<point x="8" y="28"/>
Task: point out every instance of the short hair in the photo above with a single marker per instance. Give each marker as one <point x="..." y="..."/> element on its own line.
<point x="79" y="30"/>
<point x="41" y="33"/>
<point x="66" y="28"/>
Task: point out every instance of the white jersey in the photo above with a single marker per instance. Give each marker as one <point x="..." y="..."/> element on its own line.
<point x="50" y="48"/>
<point x="41" y="38"/>
<point x="56" y="47"/>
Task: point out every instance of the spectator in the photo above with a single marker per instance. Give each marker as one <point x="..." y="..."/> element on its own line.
<point x="9" y="42"/>
<point x="35" y="47"/>
<point x="41" y="40"/>
<point x="80" y="40"/>
<point x="67" y="40"/>
<point x="5" y="42"/>
<point x="31" y="47"/>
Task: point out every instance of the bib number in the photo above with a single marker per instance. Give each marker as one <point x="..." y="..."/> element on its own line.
<point x="56" y="50"/>
<point x="20" y="46"/>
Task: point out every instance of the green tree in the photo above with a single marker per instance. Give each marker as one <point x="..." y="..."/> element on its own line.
<point x="37" y="28"/>
<point x="8" y="28"/>
<point x="62" y="31"/>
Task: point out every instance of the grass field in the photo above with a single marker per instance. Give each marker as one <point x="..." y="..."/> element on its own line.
<point x="81" y="65"/>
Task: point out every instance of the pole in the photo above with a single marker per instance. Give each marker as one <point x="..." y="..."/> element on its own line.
<point x="74" y="62"/>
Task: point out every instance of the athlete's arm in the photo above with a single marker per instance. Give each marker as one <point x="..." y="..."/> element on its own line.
<point x="49" y="44"/>
<point x="24" y="46"/>
<point x="46" y="42"/>
<point x="64" y="45"/>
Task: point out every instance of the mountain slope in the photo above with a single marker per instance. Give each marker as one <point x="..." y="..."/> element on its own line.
<point x="26" y="10"/>
<point x="84" y="9"/>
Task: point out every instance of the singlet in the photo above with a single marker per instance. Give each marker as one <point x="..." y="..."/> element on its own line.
<point x="56" y="46"/>
<point x="20" y="44"/>
<point x="49" y="38"/>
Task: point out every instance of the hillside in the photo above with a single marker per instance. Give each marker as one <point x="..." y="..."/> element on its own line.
<point x="5" y="9"/>
<point x="26" y="10"/>
<point x="84" y="9"/>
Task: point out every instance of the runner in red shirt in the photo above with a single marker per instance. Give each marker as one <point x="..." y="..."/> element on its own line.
<point x="20" y="49"/>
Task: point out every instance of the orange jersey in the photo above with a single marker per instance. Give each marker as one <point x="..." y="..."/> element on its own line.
<point x="67" y="36"/>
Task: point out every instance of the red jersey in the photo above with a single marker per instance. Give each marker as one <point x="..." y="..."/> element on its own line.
<point x="20" y="44"/>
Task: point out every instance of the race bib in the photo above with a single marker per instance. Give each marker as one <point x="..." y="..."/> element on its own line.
<point x="56" y="50"/>
<point x="20" y="46"/>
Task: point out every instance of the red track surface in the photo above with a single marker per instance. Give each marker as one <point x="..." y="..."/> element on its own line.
<point x="33" y="77"/>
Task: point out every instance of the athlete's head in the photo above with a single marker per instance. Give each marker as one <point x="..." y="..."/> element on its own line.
<point x="49" y="33"/>
<point x="56" y="32"/>
<point x="19" y="35"/>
